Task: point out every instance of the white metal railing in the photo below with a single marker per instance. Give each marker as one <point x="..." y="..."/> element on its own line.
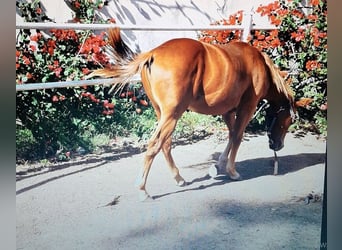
<point x="65" y="84"/>
<point x="98" y="26"/>
<point x="246" y="27"/>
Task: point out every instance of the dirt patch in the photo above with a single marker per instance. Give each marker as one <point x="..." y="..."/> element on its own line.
<point x="71" y="205"/>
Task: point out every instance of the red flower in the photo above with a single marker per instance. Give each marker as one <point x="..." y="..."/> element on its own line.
<point x="77" y="4"/>
<point x="58" y="71"/>
<point x="108" y="105"/>
<point x="55" y="98"/>
<point x="108" y="112"/>
<point x="85" y="71"/>
<point x="39" y="11"/>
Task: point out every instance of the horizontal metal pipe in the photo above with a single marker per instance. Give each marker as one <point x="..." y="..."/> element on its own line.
<point x="82" y="26"/>
<point x="80" y="83"/>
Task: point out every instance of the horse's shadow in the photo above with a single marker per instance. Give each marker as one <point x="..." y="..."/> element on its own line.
<point x="254" y="168"/>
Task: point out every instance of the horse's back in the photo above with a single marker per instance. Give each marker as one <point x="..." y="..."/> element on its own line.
<point x="206" y="78"/>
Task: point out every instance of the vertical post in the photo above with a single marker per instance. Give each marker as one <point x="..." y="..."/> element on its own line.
<point x="247" y="25"/>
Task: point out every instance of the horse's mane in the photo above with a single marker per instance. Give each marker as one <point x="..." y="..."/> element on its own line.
<point x="278" y="79"/>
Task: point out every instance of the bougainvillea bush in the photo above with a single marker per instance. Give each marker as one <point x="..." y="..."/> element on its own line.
<point x="64" y="120"/>
<point x="298" y="46"/>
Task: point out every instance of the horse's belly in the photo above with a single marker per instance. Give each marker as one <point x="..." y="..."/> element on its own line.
<point x="212" y="107"/>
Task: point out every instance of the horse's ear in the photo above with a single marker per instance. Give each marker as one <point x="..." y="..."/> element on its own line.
<point x="303" y="102"/>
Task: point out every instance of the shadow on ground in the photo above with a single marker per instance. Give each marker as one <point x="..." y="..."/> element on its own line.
<point x="254" y="168"/>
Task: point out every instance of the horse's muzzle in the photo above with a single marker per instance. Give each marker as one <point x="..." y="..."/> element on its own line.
<point x="276" y="146"/>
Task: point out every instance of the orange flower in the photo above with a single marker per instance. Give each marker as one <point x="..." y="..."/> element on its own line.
<point x="298" y="14"/>
<point x="312" y="17"/>
<point x="298" y="36"/>
<point x="29" y="75"/>
<point x="26" y="60"/>
<point x="312" y="65"/>
<point x="240" y="16"/>
<point x="282" y="12"/>
<point x="32" y="47"/>
<point x="275" y="43"/>
<point x="317" y="42"/>
<point x="314" y="2"/>
<point x="232" y="20"/>
<point x="261" y="37"/>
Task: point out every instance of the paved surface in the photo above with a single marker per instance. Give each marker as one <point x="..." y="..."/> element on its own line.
<point x="64" y="207"/>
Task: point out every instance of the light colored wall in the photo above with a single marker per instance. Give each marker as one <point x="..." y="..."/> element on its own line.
<point x="163" y="13"/>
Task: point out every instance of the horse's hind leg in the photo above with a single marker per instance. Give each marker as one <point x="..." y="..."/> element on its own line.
<point x="174" y="170"/>
<point x="160" y="136"/>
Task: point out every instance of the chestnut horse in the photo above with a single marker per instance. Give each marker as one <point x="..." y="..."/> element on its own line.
<point x="185" y="74"/>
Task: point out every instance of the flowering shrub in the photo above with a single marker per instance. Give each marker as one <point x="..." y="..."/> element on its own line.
<point x="298" y="45"/>
<point x="223" y="36"/>
<point x="64" y="119"/>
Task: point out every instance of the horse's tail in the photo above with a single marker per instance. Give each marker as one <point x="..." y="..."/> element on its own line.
<point x="278" y="78"/>
<point x="126" y="63"/>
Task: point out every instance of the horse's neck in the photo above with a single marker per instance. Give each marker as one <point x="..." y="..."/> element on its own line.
<point x="275" y="97"/>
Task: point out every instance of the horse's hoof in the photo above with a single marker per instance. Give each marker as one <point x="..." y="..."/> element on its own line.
<point x="182" y="183"/>
<point x="235" y="177"/>
<point x="144" y="196"/>
<point x="213" y="172"/>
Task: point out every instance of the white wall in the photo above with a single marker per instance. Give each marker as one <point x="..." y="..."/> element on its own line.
<point x="163" y="13"/>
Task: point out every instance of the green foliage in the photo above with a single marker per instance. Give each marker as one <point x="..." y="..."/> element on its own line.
<point x="193" y="126"/>
<point x="25" y="144"/>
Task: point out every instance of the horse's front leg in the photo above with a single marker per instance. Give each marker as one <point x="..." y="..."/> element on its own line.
<point x="220" y="166"/>
<point x="230" y="167"/>
<point x="243" y="117"/>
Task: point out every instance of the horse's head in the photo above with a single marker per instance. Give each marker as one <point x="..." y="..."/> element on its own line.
<point x="278" y="120"/>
